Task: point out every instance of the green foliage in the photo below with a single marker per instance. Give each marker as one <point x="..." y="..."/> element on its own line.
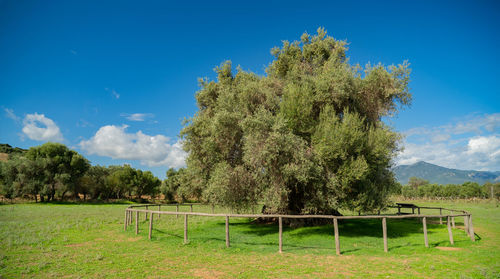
<point x="62" y="169"/>
<point x="170" y="186"/>
<point x="305" y="138"/>
<point x="466" y="190"/>
<point x="52" y="171"/>
<point x="493" y="190"/>
<point x="95" y="183"/>
<point x="6" y="148"/>
<point x="415" y="182"/>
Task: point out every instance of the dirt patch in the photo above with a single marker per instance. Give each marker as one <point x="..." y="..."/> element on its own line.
<point x="78" y="244"/>
<point x="448" y="248"/>
<point x="207" y="273"/>
<point x="4" y="157"/>
<point x="133" y="239"/>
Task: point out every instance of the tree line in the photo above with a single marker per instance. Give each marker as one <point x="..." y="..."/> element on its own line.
<point x="420" y="188"/>
<point x="54" y="172"/>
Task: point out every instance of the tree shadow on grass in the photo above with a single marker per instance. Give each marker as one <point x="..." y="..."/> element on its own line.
<point x="347" y="228"/>
<point x="167" y="234"/>
<point x="396" y="228"/>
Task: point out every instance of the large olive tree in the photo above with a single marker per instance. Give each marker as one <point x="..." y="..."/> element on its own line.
<point x="305" y="138"/>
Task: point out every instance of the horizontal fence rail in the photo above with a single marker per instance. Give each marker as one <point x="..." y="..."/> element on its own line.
<point x="450" y="220"/>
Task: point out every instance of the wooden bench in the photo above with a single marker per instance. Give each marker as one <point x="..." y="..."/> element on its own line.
<point x="407" y="205"/>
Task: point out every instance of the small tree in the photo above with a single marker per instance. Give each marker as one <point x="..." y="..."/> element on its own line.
<point x="416" y="182"/>
<point x="95" y="183"/>
<point x="171" y="184"/>
<point x="146" y="183"/>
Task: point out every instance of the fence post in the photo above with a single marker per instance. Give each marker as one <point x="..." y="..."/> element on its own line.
<point x="471" y="229"/>
<point x="384" y="231"/>
<point x="440" y="218"/>
<point x="426" y="240"/>
<point x="185" y="229"/>
<point x="336" y="231"/>
<point x="466" y="224"/>
<point x="136" y="222"/>
<point x="126" y="220"/>
<point x="281" y="234"/>
<point x="227" y="231"/>
<point x="450" y="233"/>
<point x="150" y="225"/>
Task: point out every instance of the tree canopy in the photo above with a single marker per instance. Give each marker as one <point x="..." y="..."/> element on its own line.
<point x="307" y="137"/>
<point x="52" y="171"/>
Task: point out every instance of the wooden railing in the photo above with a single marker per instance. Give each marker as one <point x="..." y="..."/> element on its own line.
<point x="149" y="213"/>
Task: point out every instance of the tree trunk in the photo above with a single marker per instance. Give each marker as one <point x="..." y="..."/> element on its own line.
<point x="52" y="192"/>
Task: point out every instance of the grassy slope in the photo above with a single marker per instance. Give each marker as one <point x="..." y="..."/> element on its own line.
<point x="89" y="241"/>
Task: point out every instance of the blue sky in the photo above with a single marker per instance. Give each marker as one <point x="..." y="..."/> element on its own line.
<point x="115" y="79"/>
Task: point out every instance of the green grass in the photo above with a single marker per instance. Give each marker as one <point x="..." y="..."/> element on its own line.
<point x="82" y="241"/>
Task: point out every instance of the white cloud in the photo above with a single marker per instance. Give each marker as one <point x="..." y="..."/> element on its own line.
<point x="472" y="124"/>
<point x="489" y="146"/>
<point x="40" y="128"/>
<point x="10" y="114"/>
<point x="113" y="92"/>
<point x="478" y="124"/>
<point x="440" y="137"/>
<point x="472" y="142"/>
<point x="436" y="153"/>
<point x="113" y="141"/>
<point x="137" y="116"/>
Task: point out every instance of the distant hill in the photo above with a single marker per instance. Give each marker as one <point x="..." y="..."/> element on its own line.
<point x="442" y="175"/>
<point x="6" y="149"/>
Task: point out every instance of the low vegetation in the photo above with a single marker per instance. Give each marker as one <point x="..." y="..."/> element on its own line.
<point x="420" y="188"/>
<point x="87" y="240"/>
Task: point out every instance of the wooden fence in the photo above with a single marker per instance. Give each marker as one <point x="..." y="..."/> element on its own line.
<point x="450" y="220"/>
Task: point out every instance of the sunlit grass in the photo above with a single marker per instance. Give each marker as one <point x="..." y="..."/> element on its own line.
<point x="46" y="240"/>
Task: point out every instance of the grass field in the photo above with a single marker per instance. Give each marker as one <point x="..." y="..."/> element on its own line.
<point x="86" y="240"/>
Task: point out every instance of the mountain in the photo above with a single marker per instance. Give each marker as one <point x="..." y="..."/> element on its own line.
<point x="441" y="175"/>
